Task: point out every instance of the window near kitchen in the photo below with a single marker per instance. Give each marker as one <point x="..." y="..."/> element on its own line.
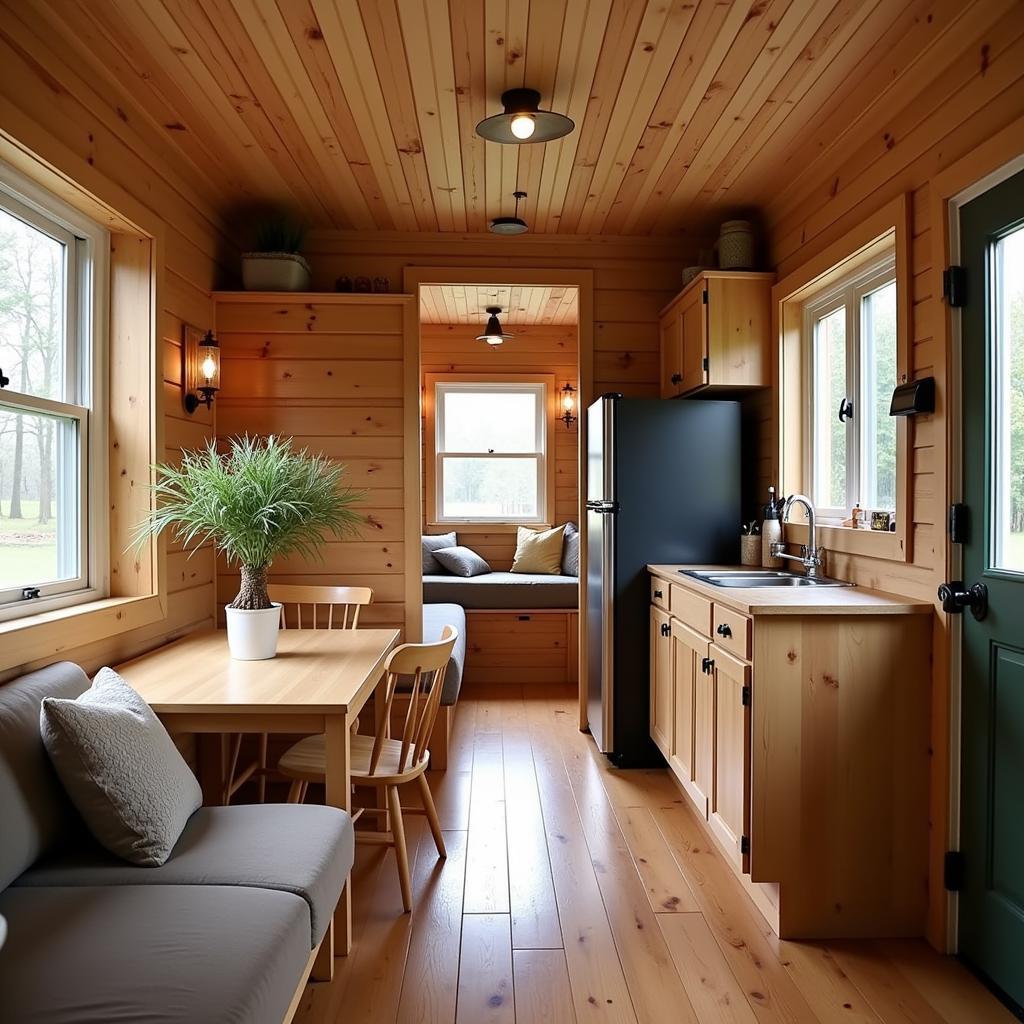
<point x="851" y="358"/>
<point x="52" y="537"/>
<point x="491" y="444"/>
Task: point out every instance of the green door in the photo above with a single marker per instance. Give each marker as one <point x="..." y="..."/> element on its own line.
<point x="991" y="914"/>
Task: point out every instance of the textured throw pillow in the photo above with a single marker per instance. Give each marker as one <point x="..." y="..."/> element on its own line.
<point x="120" y="768"/>
<point x="539" y="551"/>
<point x="431" y="543"/>
<point x="460" y="561"/>
<point x="571" y="551"/>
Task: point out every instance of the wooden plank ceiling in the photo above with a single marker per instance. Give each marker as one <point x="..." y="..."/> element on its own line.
<point x="360" y="114"/>
<point x="521" y="305"/>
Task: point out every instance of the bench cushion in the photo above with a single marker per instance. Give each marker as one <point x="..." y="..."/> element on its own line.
<point x="302" y="849"/>
<point x="36" y="812"/>
<point x="503" y="590"/>
<point x="435" y="618"/>
<point x="156" y="953"/>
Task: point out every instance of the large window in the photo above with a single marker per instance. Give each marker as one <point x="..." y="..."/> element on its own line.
<point x="851" y="357"/>
<point x="50" y="531"/>
<point x="490" y="452"/>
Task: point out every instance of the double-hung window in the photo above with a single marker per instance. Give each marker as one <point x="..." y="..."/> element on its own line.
<point x="490" y="452"/>
<point x="851" y="359"/>
<point x="52" y="525"/>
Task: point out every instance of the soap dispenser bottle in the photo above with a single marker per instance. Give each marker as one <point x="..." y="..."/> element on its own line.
<point x="771" y="532"/>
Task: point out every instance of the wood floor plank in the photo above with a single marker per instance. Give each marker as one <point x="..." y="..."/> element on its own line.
<point x="666" y="887"/>
<point x="716" y="996"/>
<point x="451" y="790"/>
<point x="487" y="850"/>
<point x="824" y="984"/>
<point x="542" y="987"/>
<point x="486" y="994"/>
<point x="430" y="986"/>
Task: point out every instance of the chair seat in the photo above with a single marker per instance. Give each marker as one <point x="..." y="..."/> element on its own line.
<point x="306" y="760"/>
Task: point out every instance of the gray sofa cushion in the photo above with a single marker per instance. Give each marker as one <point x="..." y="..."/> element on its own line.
<point x="155" y="953"/>
<point x="302" y="849"/>
<point x="502" y="590"/>
<point x="120" y="768"/>
<point x="460" y="561"/>
<point x="430" y="544"/>
<point x="435" y="618"/>
<point x="36" y="811"/>
<point x="571" y="551"/>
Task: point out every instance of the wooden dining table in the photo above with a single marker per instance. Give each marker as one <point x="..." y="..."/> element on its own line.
<point x="318" y="683"/>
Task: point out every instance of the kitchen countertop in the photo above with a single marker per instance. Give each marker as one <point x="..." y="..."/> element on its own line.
<point x="793" y="600"/>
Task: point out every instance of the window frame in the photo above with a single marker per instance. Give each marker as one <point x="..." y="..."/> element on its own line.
<point x="87" y="275"/>
<point x="848" y="293"/>
<point x="436" y="454"/>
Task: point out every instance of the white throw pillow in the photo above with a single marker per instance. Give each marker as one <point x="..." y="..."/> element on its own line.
<point x="120" y="768"/>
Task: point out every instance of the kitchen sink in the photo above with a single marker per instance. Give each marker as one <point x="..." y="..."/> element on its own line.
<point x="756" y="578"/>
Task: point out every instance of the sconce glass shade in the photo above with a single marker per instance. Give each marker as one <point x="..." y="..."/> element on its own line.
<point x="200" y="355"/>
<point x="568" y="399"/>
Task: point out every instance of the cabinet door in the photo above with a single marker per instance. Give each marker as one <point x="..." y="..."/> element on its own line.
<point x="692" y="313"/>
<point x="661" y="681"/>
<point x="671" y="353"/>
<point x="739" y="327"/>
<point x="730" y="791"/>
<point x="692" y="739"/>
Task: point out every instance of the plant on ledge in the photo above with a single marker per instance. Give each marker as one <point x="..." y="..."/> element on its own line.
<point x="259" y="500"/>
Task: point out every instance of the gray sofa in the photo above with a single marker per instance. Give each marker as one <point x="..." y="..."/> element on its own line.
<point x="223" y="931"/>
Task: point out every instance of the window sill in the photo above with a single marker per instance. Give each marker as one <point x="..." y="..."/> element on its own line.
<point x="477" y="526"/>
<point x="48" y="634"/>
<point x="849" y="541"/>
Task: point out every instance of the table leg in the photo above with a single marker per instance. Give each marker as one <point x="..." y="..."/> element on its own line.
<point x="339" y="794"/>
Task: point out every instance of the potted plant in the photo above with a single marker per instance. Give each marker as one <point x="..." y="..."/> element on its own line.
<point x="277" y="264"/>
<point x="257" y="501"/>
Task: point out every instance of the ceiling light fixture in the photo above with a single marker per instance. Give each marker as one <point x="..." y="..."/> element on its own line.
<point x="510" y="225"/>
<point x="493" y="333"/>
<point x="523" y="121"/>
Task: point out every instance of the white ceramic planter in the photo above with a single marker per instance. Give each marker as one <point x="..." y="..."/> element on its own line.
<point x="275" y="272"/>
<point x="252" y="635"/>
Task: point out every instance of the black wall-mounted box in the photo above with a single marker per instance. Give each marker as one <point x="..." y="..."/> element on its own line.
<point x="914" y="397"/>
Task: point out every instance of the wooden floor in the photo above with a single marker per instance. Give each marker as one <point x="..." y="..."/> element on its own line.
<point x="573" y="892"/>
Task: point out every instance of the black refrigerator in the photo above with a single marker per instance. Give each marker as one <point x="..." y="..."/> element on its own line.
<point x="663" y="486"/>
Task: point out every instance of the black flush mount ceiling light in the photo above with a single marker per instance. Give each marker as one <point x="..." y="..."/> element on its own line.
<point x="523" y="121"/>
<point x="493" y="333"/>
<point x="510" y="225"/>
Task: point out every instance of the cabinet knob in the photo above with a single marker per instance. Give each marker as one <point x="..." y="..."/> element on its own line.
<point x="677" y="378"/>
<point x="723" y="629"/>
<point x="666" y="629"/>
<point x="707" y="665"/>
<point x="658" y="593"/>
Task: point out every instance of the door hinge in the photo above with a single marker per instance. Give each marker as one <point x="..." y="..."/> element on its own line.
<point x="746" y="696"/>
<point x="954" y="286"/>
<point x="953" y="871"/>
<point x="958" y="523"/>
<point x="704" y="296"/>
<point x="745" y="845"/>
<point x="705" y="364"/>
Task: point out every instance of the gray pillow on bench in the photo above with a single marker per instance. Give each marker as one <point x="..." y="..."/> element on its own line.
<point x="120" y="768"/>
<point x="460" y="561"/>
<point x="431" y="542"/>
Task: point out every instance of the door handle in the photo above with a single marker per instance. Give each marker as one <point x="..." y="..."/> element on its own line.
<point x="707" y="665"/>
<point x="955" y="598"/>
<point x="666" y="629"/>
<point x="723" y="629"/>
<point x="845" y="410"/>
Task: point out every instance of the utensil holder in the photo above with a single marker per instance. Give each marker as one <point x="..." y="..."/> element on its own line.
<point x="750" y="549"/>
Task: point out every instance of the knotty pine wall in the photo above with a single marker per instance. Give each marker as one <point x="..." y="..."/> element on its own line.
<point x="52" y="107"/>
<point x="330" y="371"/>
<point x="946" y="110"/>
<point x="537" y="348"/>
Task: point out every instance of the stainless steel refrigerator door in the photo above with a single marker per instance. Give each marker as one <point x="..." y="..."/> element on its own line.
<point x="600" y="628"/>
<point x="600" y="450"/>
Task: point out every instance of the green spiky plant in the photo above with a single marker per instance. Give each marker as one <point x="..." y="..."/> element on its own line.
<point x="280" y="233"/>
<point x="258" y="501"/>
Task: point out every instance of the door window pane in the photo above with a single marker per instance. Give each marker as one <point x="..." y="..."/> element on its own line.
<point x="878" y="380"/>
<point x="32" y="308"/>
<point x="490" y="421"/>
<point x="482" y="488"/>
<point x="1008" y="403"/>
<point x="39" y="499"/>
<point x="830" y="388"/>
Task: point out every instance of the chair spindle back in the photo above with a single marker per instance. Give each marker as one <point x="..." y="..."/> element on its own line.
<point x="348" y="599"/>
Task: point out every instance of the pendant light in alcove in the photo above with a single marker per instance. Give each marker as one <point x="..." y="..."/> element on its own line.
<point x="514" y="225"/>
<point x="493" y="332"/>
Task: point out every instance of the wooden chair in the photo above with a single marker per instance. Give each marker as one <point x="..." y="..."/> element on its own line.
<point x="350" y="600"/>
<point x="389" y="763"/>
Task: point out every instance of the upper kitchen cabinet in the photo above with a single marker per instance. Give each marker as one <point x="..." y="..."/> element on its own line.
<point x="715" y="333"/>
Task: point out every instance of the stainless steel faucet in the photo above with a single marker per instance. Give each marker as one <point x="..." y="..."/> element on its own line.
<point x="810" y="554"/>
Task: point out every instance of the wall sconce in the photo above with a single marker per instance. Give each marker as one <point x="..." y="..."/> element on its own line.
<point x="568" y="404"/>
<point x="200" y="368"/>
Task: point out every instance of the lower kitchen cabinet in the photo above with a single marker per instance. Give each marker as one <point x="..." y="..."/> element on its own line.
<point x="661" y="680"/>
<point x="692" y="747"/>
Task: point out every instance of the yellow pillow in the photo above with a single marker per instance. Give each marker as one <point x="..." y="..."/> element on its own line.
<point x="539" y="551"/>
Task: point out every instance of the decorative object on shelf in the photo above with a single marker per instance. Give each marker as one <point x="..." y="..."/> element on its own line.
<point x="750" y="544"/>
<point x="363" y="284"/>
<point x="493" y="333"/>
<point x="223" y="498"/>
<point x="200" y="368"/>
<point x="689" y="273"/>
<point x="568" y="404"/>
<point x="343" y="284"/>
<point x="913" y="397"/>
<point x="771" y="530"/>
<point x="883" y="520"/>
<point x="856" y="520"/>
<point x="736" y="245"/>
<point x="381" y="284"/>
<point x="522" y="120"/>
<point x="277" y="264"/>
<point x="514" y="225"/>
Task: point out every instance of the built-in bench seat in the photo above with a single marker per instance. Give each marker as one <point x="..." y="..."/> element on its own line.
<point x="503" y="591"/>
